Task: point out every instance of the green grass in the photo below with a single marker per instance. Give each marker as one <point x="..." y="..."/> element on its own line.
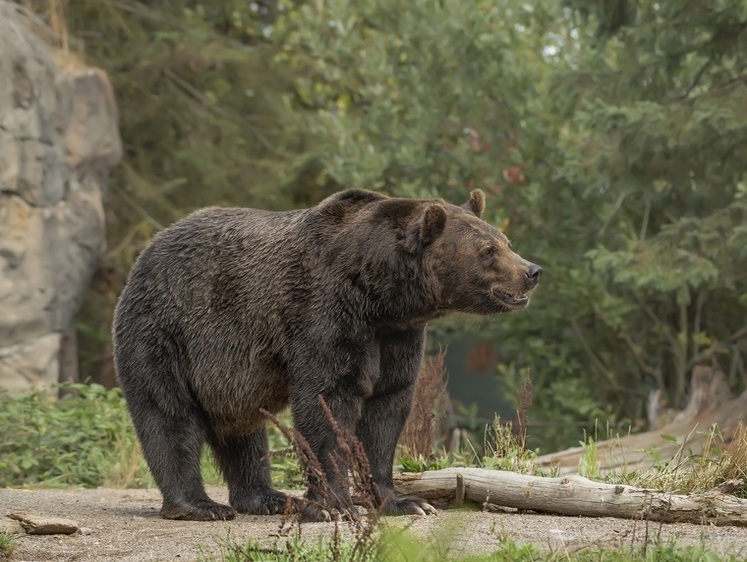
<point x="401" y="546"/>
<point x="500" y="450"/>
<point x="7" y="544"/>
<point x="291" y="551"/>
<point x="720" y="461"/>
<point x="86" y="439"/>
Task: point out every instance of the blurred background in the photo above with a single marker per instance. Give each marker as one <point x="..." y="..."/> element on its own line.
<point x="610" y="137"/>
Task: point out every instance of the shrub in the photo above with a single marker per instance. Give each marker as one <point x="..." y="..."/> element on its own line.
<point x="86" y="439"/>
<point x="83" y="439"/>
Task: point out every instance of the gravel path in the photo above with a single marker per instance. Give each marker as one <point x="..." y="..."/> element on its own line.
<point x="124" y="525"/>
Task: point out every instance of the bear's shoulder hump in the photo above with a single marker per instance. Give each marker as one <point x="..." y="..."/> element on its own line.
<point x="348" y="202"/>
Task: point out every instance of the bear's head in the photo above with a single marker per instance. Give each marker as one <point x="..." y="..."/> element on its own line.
<point x="475" y="267"/>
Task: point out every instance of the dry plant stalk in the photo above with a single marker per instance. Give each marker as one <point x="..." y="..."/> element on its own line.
<point x="352" y="459"/>
<point x="524" y="402"/>
<point x="428" y="408"/>
<point x="737" y="451"/>
<point x="315" y="476"/>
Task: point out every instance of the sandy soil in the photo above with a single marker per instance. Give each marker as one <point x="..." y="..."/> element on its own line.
<point x="124" y="525"/>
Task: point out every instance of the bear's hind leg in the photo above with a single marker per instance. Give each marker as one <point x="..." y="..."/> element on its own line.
<point x="172" y="446"/>
<point x="244" y="461"/>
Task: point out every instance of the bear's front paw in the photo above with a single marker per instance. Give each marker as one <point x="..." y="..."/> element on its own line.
<point x="271" y="502"/>
<point x="408" y="506"/>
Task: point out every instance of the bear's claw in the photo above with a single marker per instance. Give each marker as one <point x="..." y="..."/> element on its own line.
<point x="409" y="506"/>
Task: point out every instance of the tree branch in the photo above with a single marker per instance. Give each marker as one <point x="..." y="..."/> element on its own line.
<point x="593" y="357"/>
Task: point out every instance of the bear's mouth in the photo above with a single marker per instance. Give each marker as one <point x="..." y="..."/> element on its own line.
<point x="519" y="300"/>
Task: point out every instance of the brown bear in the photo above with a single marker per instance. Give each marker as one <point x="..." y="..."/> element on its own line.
<point x="230" y="311"/>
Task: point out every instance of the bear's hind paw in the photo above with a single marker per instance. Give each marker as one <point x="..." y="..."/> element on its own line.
<point x="199" y="511"/>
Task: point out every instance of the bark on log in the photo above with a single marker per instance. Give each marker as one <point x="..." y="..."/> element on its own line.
<point x="573" y="495"/>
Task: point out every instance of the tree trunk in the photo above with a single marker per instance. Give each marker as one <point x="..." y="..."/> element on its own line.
<point x="572" y="495"/>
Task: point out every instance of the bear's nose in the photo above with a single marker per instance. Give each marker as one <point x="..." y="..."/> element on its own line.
<point x="533" y="274"/>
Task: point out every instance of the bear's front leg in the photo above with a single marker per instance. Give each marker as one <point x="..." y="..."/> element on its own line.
<point x="328" y="496"/>
<point x="385" y="413"/>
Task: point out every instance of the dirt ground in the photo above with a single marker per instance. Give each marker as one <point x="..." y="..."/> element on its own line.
<point x="124" y="525"/>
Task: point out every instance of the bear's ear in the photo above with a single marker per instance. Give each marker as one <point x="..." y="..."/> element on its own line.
<point x="432" y="224"/>
<point x="476" y="202"/>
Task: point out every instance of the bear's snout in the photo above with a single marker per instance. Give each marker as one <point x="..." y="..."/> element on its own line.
<point x="533" y="274"/>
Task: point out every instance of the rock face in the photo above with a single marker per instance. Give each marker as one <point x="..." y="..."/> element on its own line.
<point x="58" y="142"/>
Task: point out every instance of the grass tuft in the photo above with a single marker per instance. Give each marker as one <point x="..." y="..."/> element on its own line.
<point x="8" y="542"/>
<point x="722" y="464"/>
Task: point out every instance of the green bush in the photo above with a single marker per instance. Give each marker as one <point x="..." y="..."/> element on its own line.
<point x="83" y="439"/>
<point x="86" y="439"/>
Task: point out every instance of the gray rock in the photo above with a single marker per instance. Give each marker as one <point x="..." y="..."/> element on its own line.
<point x="58" y="142"/>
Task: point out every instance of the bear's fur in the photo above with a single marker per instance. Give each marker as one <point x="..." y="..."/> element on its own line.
<point x="230" y="311"/>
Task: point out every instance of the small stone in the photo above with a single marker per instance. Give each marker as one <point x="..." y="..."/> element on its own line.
<point x="85" y="531"/>
<point x="40" y="525"/>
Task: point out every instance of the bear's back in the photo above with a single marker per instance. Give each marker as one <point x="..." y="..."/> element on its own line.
<point x="216" y="260"/>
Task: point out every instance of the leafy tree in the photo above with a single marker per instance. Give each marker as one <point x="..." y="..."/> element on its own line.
<point x="423" y="98"/>
<point x="610" y="134"/>
<point x="656" y="106"/>
<point x="644" y="194"/>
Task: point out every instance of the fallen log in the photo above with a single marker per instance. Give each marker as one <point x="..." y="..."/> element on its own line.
<point x="572" y="495"/>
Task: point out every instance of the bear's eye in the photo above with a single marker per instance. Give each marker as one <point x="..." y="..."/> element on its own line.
<point x="488" y="252"/>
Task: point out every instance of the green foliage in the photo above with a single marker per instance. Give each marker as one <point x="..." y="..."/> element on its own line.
<point x="86" y="439"/>
<point x="504" y="451"/>
<point x="588" y="463"/>
<point x="83" y="439"/>
<point x="638" y="214"/>
<point x="652" y="118"/>
<point x="607" y="134"/>
<point x="501" y="449"/>
<point x="421" y="464"/>
<point x="419" y="98"/>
